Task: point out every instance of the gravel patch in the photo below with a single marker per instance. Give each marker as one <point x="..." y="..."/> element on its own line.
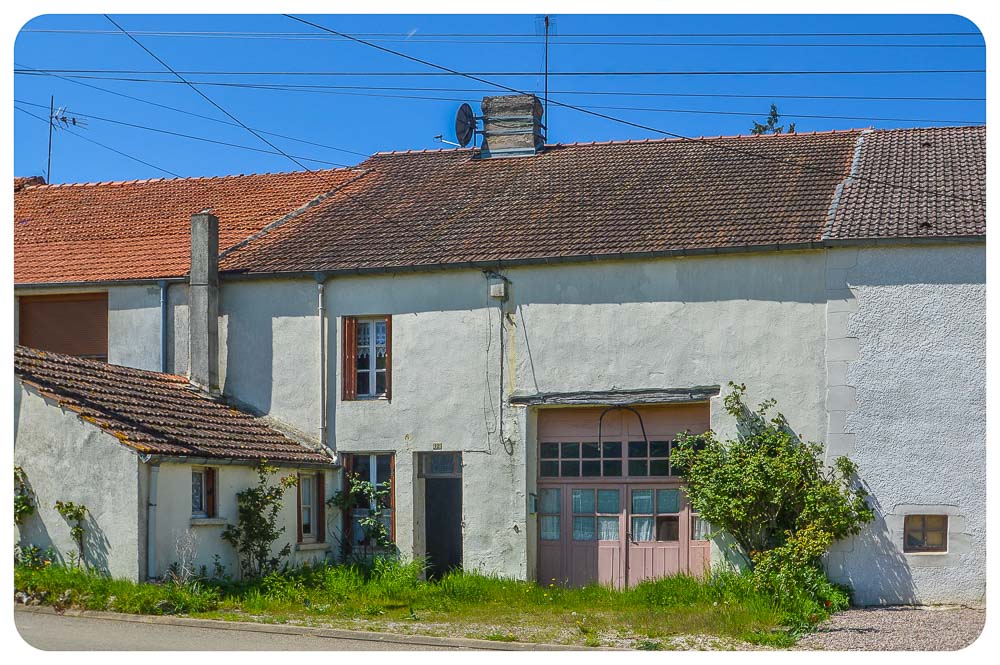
<point x="932" y="628"/>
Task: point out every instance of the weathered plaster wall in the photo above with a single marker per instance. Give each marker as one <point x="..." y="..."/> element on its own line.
<point x="758" y="319"/>
<point x="68" y="459"/>
<point x="917" y="427"/>
<point x="134" y="326"/>
<point x="173" y="517"/>
<point x="269" y="349"/>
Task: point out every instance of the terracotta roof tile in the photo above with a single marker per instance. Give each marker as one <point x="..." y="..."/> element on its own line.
<point x="945" y="171"/>
<point x="424" y="208"/>
<point x="156" y="413"/>
<point x="141" y="229"/>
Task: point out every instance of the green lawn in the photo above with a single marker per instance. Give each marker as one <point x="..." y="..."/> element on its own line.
<point x="672" y="613"/>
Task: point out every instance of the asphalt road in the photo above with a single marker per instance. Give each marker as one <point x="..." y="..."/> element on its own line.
<point x="51" y="632"/>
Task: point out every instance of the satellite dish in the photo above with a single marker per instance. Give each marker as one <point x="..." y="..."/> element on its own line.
<point x="465" y="125"/>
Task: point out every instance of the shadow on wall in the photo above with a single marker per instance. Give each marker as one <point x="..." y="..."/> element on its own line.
<point x="873" y="567"/>
<point x="95" y="546"/>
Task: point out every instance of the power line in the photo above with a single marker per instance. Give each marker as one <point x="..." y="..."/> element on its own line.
<point x="237" y="120"/>
<point x="306" y="35"/>
<point x="832" y="72"/>
<point x="622" y="121"/>
<point x="500" y="40"/>
<point x="206" y="97"/>
<point x="617" y="93"/>
<point x="199" y="115"/>
<point x="748" y="114"/>
<point x="182" y="135"/>
<point x="98" y="143"/>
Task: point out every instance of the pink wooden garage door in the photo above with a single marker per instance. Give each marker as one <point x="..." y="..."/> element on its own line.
<point x="611" y="508"/>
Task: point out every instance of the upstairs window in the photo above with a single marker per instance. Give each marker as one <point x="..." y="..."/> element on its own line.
<point x="367" y="357"/>
<point x="72" y="323"/>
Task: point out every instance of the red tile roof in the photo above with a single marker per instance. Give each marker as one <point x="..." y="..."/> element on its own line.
<point x="27" y="181"/>
<point x="941" y="178"/>
<point x="419" y="208"/>
<point x="141" y="229"/>
<point x="156" y="413"/>
<point x="439" y="207"/>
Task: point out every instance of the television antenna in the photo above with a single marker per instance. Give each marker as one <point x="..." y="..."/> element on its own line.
<point x="59" y="118"/>
<point x="546" y="24"/>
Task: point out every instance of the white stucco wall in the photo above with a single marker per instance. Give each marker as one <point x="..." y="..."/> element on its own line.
<point x="68" y="459"/>
<point x="758" y="319"/>
<point x="917" y="428"/>
<point x="134" y="326"/>
<point x="269" y="349"/>
<point x="173" y="517"/>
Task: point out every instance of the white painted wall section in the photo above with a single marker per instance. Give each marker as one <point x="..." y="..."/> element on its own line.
<point x="68" y="459"/>
<point x="917" y="427"/>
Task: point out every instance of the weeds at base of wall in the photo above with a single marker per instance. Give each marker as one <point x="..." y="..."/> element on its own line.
<point x="388" y="594"/>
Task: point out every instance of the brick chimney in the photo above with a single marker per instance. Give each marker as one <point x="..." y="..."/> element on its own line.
<point x="203" y="302"/>
<point x="512" y="126"/>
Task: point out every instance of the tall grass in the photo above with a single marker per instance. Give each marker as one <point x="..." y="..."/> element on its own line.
<point x="74" y="587"/>
<point x="726" y="604"/>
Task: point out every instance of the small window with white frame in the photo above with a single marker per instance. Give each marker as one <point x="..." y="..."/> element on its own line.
<point x="311" y="518"/>
<point x="202" y="492"/>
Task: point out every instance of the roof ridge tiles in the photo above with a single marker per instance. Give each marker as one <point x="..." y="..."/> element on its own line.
<point x="560" y="144"/>
<point x="228" y="176"/>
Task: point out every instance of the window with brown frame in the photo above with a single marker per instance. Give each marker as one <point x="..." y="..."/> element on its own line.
<point x="311" y="508"/>
<point x="571" y="459"/>
<point x="203" y="482"/>
<point x="366" y="357"/>
<point x="925" y="533"/>
<point x="72" y="323"/>
<point x="378" y="469"/>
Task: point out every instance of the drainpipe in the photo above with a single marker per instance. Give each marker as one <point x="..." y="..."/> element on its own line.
<point x="163" y="325"/>
<point x="154" y="473"/>
<point x="321" y="315"/>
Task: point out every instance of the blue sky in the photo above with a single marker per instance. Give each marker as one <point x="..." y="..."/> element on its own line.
<point x="360" y="120"/>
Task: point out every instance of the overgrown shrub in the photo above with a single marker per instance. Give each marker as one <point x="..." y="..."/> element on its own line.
<point x="24" y="500"/>
<point x="256" y="528"/>
<point x="74" y="514"/>
<point x="773" y="494"/>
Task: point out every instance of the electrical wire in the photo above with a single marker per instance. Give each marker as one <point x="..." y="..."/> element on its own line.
<point x="240" y="123"/>
<point x="488" y="39"/>
<point x="597" y="114"/>
<point x="746" y="72"/>
<point x="745" y="114"/>
<point x="206" y="97"/>
<point x="411" y="36"/>
<point x="617" y="93"/>
<point x="180" y="134"/>
<point x="198" y="115"/>
<point x="98" y="143"/>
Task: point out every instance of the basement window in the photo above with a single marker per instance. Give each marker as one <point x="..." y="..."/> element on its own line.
<point x="925" y="534"/>
<point x="366" y="357"/>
